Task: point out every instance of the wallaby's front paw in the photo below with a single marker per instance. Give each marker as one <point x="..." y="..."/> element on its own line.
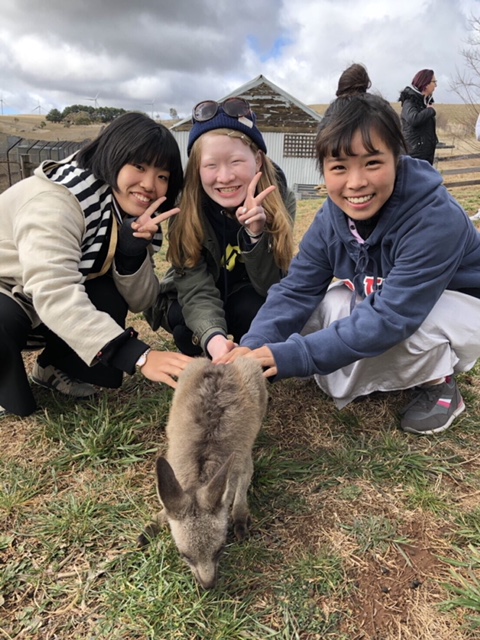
<point x="151" y="531"/>
<point x="241" y="529"/>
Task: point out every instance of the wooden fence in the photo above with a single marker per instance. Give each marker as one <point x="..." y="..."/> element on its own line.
<point x="453" y="177"/>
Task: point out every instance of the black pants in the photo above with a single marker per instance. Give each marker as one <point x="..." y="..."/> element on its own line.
<point x="15" y="392"/>
<point x="240" y="308"/>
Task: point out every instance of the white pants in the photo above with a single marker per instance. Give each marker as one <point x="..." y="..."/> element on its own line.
<point x="447" y="342"/>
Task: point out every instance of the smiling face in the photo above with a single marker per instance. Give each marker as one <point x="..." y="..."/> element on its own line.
<point x="138" y="185"/>
<point x="227" y="166"/>
<point x="362" y="183"/>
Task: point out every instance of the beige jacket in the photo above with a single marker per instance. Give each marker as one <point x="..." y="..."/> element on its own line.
<point x="41" y="231"/>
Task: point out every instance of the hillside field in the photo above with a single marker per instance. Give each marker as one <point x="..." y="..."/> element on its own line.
<point x="455" y="129"/>
<point x="455" y="122"/>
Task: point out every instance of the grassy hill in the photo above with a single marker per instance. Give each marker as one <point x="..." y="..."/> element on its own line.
<point x="451" y="118"/>
<point x="456" y="119"/>
<point x="37" y="127"/>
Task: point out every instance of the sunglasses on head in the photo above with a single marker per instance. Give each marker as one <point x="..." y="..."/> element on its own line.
<point x="233" y="107"/>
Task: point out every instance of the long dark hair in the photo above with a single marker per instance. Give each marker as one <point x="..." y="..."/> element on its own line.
<point x="356" y="110"/>
<point x="134" y="138"/>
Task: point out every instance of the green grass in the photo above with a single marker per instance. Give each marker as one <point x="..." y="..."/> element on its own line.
<point x="374" y="533"/>
<point x="358" y="530"/>
<point x="465" y="585"/>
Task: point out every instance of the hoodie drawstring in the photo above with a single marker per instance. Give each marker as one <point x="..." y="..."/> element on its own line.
<point x="359" y="278"/>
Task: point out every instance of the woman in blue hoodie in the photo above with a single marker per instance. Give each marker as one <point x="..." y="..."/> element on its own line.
<point x="384" y="292"/>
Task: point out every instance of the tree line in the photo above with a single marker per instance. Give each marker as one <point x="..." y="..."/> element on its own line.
<point x="84" y="114"/>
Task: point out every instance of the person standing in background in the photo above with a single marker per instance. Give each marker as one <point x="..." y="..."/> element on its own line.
<point x="419" y="117"/>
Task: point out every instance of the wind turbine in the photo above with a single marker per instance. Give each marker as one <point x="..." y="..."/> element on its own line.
<point x="94" y="100"/>
<point x="151" y="104"/>
<point x="2" y="102"/>
<point x="38" y="108"/>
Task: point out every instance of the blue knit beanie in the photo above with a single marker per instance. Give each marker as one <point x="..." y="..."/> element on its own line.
<point x="222" y="121"/>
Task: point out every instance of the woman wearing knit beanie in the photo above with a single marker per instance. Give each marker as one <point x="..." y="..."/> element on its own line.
<point x="233" y="237"/>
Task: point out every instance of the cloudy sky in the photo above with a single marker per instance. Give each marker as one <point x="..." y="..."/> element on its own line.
<point x="157" y="55"/>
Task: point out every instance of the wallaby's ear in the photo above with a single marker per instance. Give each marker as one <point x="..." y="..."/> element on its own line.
<point x="171" y="494"/>
<point x="216" y="492"/>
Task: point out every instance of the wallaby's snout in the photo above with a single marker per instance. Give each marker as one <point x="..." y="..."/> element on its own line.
<point x="206" y="573"/>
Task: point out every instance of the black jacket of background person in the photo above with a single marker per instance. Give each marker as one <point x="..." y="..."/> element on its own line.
<point x="418" y="124"/>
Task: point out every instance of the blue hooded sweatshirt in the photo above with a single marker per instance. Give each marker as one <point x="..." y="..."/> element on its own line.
<point x="423" y="244"/>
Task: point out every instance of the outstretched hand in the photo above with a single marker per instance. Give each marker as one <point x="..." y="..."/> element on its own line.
<point x="263" y="355"/>
<point x="219" y="346"/>
<point x="252" y="215"/>
<point x="145" y="226"/>
<point x="165" y="366"/>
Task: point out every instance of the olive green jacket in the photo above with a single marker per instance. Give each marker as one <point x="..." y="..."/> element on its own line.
<point x="195" y="288"/>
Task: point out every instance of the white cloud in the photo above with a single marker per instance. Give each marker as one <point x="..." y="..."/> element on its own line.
<point x="177" y="53"/>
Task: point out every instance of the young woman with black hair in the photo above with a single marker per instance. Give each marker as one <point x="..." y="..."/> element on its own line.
<point x="76" y="245"/>
<point x="384" y="293"/>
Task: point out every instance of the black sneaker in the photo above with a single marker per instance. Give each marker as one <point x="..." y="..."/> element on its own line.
<point x="53" y="378"/>
<point x="434" y="408"/>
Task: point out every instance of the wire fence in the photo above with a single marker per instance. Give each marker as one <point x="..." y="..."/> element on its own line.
<point x="20" y="156"/>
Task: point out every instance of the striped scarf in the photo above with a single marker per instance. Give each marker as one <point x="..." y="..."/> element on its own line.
<point x="98" y="205"/>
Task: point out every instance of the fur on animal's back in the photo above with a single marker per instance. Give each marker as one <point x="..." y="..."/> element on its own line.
<point x="217" y="404"/>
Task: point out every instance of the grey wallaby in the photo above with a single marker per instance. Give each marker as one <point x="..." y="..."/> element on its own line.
<point x="216" y="414"/>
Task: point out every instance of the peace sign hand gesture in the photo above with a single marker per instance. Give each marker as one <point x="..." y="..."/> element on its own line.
<point x="252" y="215"/>
<point x="145" y="226"/>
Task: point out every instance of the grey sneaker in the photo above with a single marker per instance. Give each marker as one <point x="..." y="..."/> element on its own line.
<point x="53" y="378"/>
<point x="434" y="408"/>
<point x="476" y="216"/>
<point x="3" y="412"/>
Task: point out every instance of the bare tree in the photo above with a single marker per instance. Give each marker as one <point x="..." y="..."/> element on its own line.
<point x="466" y="83"/>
